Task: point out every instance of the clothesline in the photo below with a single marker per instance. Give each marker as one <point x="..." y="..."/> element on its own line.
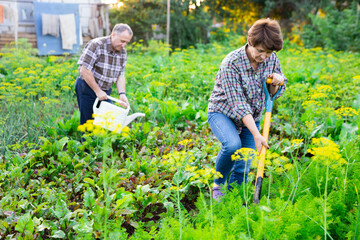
<point x="98" y="21"/>
<point x="50" y="26"/>
<point x="85" y="4"/>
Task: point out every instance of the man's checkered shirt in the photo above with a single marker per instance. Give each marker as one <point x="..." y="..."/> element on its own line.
<point x="105" y="63"/>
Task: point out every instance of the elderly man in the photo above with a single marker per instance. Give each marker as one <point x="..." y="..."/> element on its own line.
<point x="102" y="63"/>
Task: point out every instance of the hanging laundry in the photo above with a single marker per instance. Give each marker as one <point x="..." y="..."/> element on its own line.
<point x="23" y="12"/>
<point x="94" y="28"/>
<point x="50" y="24"/>
<point x="1" y="13"/>
<point x="100" y="17"/>
<point x="68" y="31"/>
<point x="11" y="15"/>
<point x="8" y="13"/>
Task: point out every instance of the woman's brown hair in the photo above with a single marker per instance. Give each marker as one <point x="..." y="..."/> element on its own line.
<point x="266" y="32"/>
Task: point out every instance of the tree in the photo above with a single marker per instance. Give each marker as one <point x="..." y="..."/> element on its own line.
<point x="189" y="24"/>
<point x="140" y="15"/>
<point x="189" y="21"/>
<point x="237" y="14"/>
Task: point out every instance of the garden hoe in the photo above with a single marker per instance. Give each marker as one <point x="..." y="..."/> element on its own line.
<point x="268" y="109"/>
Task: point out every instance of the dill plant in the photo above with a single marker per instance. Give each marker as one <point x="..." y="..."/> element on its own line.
<point x="327" y="153"/>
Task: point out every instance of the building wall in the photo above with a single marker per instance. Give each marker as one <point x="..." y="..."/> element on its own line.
<point x="28" y="27"/>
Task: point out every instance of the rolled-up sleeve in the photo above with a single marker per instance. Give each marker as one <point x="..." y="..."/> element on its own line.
<point x="122" y="72"/>
<point x="233" y="90"/>
<point x="89" y="56"/>
<point x="277" y="69"/>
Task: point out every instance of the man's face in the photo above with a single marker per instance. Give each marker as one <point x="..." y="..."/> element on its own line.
<point x="119" y="40"/>
<point x="259" y="53"/>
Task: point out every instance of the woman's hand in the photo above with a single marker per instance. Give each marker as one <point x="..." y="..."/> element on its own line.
<point x="259" y="142"/>
<point x="277" y="79"/>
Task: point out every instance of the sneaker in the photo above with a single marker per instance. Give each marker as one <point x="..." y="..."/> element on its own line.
<point x="217" y="193"/>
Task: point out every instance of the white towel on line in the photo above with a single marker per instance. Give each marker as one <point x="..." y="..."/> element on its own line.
<point x="50" y="24"/>
<point x="68" y="31"/>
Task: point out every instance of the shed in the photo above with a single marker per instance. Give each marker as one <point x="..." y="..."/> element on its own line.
<point x="18" y="19"/>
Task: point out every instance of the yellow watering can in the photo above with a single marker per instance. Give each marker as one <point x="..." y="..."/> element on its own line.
<point x="112" y="117"/>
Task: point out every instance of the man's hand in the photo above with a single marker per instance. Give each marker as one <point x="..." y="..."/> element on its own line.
<point x="259" y="142"/>
<point x="101" y="95"/>
<point x="123" y="98"/>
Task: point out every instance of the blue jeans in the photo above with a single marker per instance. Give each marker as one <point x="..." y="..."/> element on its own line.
<point x="86" y="98"/>
<point x="225" y="131"/>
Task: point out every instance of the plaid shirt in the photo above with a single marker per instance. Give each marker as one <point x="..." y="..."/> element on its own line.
<point x="106" y="64"/>
<point x="238" y="89"/>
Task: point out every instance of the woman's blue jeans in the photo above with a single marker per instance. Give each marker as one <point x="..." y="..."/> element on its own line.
<point x="86" y="98"/>
<point x="225" y="131"/>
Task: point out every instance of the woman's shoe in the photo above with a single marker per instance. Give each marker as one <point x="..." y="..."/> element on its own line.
<point x="217" y="193"/>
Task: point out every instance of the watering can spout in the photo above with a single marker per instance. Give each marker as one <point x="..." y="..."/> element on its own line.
<point x="132" y="117"/>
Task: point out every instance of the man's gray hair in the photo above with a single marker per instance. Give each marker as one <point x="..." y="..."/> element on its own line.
<point x="121" y="27"/>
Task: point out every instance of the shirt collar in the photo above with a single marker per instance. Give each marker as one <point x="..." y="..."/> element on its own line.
<point x="245" y="60"/>
<point x="108" y="45"/>
<point x="110" y="49"/>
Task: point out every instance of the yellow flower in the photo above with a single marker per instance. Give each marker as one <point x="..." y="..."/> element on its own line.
<point x="96" y="131"/>
<point x="191" y="169"/>
<point x="65" y="88"/>
<point x="297" y="141"/>
<point x="186" y="142"/>
<point x="318" y="95"/>
<point x="176" y="188"/>
<point x="326" y="152"/>
<point x="89" y="127"/>
<point x="125" y="129"/>
<point x="310" y="125"/>
<point x="346" y="112"/>
<point x="276" y="162"/>
<point x="205" y="175"/>
<point x="288" y="166"/>
<point x="310" y="103"/>
<point x="321" y="13"/>
<point x="81" y="128"/>
<point x="244" y="154"/>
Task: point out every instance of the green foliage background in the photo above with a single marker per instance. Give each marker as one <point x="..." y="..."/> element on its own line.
<point x="191" y="23"/>
<point x="153" y="181"/>
<point x="147" y="183"/>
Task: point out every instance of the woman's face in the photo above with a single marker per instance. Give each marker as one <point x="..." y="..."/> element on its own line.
<point x="259" y="53"/>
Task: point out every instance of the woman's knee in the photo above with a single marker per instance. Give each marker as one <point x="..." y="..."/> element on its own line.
<point x="231" y="147"/>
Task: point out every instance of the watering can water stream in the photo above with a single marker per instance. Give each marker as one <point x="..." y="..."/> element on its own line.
<point x="112" y="117"/>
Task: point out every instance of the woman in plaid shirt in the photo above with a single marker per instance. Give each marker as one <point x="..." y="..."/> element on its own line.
<point x="237" y="100"/>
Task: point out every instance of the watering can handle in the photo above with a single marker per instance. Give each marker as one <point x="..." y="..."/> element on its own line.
<point x="111" y="98"/>
<point x="117" y="100"/>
